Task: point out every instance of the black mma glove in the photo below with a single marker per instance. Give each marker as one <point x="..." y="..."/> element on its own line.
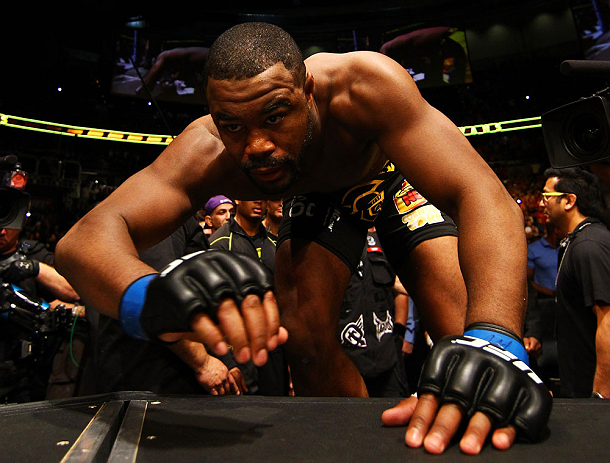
<point x="164" y="302"/>
<point x="474" y="372"/>
<point x="19" y="270"/>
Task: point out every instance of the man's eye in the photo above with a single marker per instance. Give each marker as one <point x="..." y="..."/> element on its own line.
<point x="275" y="119"/>
<point x="232" y="127"/>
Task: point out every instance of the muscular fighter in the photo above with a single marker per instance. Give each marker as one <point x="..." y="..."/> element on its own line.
<point x="325" y="134"/>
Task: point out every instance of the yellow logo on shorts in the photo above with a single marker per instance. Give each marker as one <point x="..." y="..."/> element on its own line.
<point x="408" y="198"/>
<point x="365" y="199"/>
<point x="422" y="216"/>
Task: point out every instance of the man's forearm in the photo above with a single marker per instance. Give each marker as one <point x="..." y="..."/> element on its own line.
<point x="56" y="284"/>
<point x="194" y="354"/>
<point x="99" y="265"/>
<point x="493" y="257"/>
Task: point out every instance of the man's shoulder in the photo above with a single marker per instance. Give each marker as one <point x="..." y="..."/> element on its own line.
<point x="595" y="232"/>
<point x="341" y="61"/>
<point x="338" y="72"/>
<point x="592" y="243"/>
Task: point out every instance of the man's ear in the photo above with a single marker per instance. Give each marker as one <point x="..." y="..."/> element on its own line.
<point x="208" y="221"/>
<point x="309" y="86"/>
<point x="571" y="201"/>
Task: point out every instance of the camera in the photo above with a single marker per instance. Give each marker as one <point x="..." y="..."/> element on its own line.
<point x="578" y="133"/>
<point x="14" y="202"/>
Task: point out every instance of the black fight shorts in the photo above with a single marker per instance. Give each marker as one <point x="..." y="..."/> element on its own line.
<point x="339" y="221"/>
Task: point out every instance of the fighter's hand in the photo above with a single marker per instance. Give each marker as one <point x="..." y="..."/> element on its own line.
<point x="214" y="377"/>
<point x="467" y="378"/>
<point x="213" y="297"/>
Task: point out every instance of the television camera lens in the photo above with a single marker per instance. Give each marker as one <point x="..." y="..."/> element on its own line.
<point x="586" y="136"/>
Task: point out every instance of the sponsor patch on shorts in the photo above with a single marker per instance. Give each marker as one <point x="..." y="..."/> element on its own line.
<point x="422" y="216"/>
<point x="408" y="198"/>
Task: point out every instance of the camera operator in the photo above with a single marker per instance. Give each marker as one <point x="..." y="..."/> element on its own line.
<point x="29" y="265"/>
<point x="25" y="367"/>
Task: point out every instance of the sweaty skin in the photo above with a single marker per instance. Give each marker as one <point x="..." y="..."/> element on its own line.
<point x="354" y="112"/>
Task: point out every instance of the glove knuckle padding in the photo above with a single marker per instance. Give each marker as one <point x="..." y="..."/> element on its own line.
<point x="478" y="380"/>
<point x="251" y="276"/>
<point x="199" y="283"/>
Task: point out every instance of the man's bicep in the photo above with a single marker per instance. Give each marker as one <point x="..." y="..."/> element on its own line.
<point x="151" y="205"/>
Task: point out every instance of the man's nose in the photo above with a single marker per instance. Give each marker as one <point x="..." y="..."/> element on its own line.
<point x="259" y="144"/>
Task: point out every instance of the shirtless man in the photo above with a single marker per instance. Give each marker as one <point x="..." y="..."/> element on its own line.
<point x="322" y="136"/>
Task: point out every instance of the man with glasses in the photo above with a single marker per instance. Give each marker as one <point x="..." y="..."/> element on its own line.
<point x="572" y="202"/>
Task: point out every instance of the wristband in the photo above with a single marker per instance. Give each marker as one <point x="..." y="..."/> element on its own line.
<point x="499" y="336"/>
<point x="131" y="307"/>
<point x="399" y="330"/>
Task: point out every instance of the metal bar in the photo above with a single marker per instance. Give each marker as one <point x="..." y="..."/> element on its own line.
<point x="94" y="443"/>
<point x="126" y="445"/>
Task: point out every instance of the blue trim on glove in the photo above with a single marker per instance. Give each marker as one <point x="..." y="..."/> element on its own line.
<point x="501" y="340"/>
<point x="131" y="307"/>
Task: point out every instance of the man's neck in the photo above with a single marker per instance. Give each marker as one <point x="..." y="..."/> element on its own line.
<point x="272" y="224"/>
<point x="251" y="227"/>
<point x="574" y="220"/>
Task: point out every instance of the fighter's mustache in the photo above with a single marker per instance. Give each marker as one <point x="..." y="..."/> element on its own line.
<point x="263" y="163"/>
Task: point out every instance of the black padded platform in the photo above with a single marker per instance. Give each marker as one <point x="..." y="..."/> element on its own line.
<point x="150" y="428"/>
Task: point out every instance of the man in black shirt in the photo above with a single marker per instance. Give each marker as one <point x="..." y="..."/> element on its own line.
<point x="572" y="201"/>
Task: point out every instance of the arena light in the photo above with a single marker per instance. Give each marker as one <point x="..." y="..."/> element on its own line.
<point x="82" y="132"/>
<point x="159" y="139"/>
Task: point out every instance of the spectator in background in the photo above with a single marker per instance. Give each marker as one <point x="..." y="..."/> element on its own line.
<point x="540" y="316"/>
<point x="572" y="201"/>
<point x="274" y="217"/>
<point x="245" y="233"/>
<point x="215" y="213"/>
<point x="531" y="230"/>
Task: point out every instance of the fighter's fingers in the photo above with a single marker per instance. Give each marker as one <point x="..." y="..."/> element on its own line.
<point x="233" y="388"/>
<point x="400" y="414"/>
<point x="442" y="431"/>
<point x="421" y="420"/>
<point x="206" y="332"/>
<point x="172" y="337"/>
<point x="476" y="433"/>
<point x="503" y="438"/>
<point x="255" y="318"/>
<point x="233" y="326"/>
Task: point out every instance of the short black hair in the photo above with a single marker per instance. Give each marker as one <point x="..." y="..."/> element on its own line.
<point x="248" y="49"/>
<point x="583" y="184"/>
